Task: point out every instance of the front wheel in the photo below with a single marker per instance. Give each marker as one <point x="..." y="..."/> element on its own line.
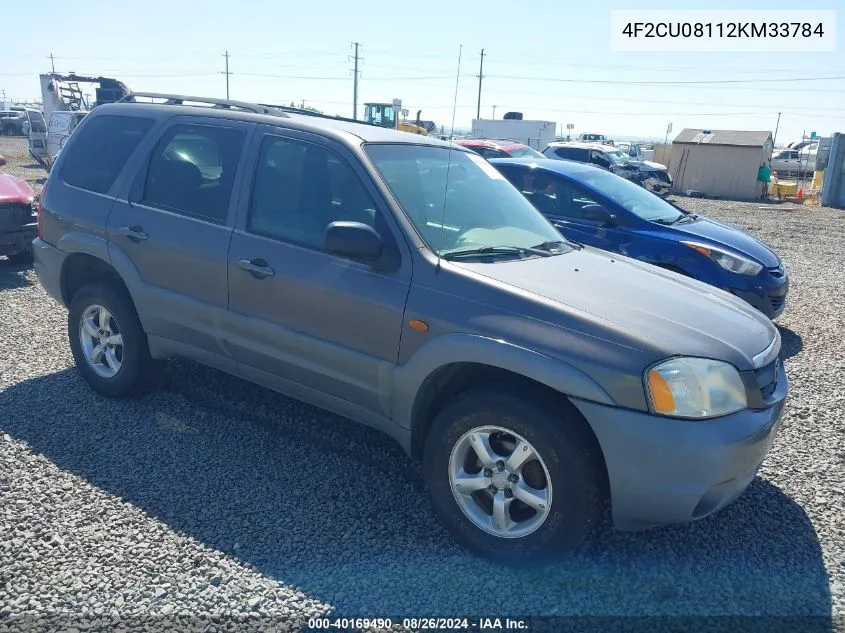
<point x="513" y="479"/>
<point x="108" y="343"/>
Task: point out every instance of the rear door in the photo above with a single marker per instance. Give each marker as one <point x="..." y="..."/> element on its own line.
<point x="37" y="135"/>
<point x="309" y="319"/>
<point x="176" y="225"/>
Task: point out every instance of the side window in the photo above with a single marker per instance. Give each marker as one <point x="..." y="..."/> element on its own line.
<point x="300" y="188"/>
<point x="570" y="200"/>
<point x="192" y="170"/>
<point x="101" y="149"/>
<point x="598" y="158"/>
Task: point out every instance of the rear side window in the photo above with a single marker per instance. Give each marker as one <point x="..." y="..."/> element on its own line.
<point x="192" y="171"/>
<point x="571" y="153"/>
<point x="97" y="155"/>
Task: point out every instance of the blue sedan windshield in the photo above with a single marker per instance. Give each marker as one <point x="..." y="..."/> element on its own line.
<point x="632" y="197"/>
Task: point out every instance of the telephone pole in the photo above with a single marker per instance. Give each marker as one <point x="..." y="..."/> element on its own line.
<point x="52" y="62"/>
<point x="480" y="77"/>
<point x="777" y="125"/>
<point x="355" y="83"/>
<point x="227" y="73"/>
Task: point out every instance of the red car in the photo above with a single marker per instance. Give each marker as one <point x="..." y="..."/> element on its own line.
<point x="18" y="222"/>
<point x="493" y="148"/>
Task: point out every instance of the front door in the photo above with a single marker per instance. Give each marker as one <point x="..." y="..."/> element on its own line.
<point x="176" y="226"/>
<point x="299" y="315"/>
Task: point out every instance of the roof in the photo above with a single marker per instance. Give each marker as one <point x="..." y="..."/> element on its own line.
<point x="584" y="145"/>
<point x="563" y="167"/>
<point x="737" y="138"/>
<point x="337" y="128"/>
<point x="489" y="142"/>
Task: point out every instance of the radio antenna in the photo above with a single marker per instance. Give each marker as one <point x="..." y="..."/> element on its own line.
<point x="449" y="157"/>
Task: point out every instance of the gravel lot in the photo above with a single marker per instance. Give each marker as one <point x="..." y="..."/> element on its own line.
<point x="214" y="496"/>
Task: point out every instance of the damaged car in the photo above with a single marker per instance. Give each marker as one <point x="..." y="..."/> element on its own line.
<point x="18" y="221"/>
<point x="652" y="176"/>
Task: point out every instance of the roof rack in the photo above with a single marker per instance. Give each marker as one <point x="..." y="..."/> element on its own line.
<point x="227" y="104"/>
<point x="303" y="111"/>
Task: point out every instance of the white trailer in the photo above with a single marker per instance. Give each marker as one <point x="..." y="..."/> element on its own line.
<point x="536" y="134"/>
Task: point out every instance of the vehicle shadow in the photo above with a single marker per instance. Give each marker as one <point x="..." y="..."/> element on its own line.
<point x="791" y="343"/>
<point x="14" y="275"/>
<point x="315" y="501"/>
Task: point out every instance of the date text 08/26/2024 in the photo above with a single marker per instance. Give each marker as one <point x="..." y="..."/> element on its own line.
<point x="418" y="623"/>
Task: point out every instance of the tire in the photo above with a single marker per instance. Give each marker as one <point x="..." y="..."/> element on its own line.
<point x="556" y="432"/>
<point x="135" y="365"/>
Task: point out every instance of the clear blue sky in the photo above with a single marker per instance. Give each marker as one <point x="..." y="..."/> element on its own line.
<point x="300" y="51"/>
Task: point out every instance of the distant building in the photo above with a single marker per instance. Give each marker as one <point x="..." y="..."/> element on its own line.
<point x="719" y="163"/>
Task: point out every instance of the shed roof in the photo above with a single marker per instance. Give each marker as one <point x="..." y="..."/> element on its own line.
<point x="739" y="138"/>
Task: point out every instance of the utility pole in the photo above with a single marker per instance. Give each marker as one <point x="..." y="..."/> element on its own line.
<point x="777" y="125"/>
<point x="480" y="77"/>
<point x="52" y="62"/>
<point x="494" y="112"/>
<point x="227" y="73"/>
<point x="355" y="83"/>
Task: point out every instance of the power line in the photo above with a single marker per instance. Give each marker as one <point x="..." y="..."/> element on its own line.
<point x="696" y="82"/>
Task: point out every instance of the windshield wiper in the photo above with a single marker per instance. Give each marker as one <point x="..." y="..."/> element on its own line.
<point x="687" y="217"/>
<point x="494" y="251"/>
<point x="554" y="245"/>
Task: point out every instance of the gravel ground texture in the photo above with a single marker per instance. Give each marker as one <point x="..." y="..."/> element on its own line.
<point x="215" y="497"/>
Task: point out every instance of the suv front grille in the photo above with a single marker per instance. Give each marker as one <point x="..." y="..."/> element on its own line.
<point x="18" y="213"/>
<point x="777" y="302"/>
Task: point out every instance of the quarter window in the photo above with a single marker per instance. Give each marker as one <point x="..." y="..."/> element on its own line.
<point x="301" y="188"/>
<point x="95" y="157"/>
<point x="192" y="170"/>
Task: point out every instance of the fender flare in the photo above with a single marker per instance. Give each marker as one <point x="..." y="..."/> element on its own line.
<point x="472" y="348"/>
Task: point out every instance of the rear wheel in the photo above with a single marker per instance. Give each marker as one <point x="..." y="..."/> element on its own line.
<point x="513" y="479"/>
<point x="108" y="343"/>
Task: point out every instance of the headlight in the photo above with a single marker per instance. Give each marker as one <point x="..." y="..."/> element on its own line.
<point x="695" y="388"/>
<point x="729" y="261"/>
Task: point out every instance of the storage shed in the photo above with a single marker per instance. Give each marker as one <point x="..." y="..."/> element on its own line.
<point x="719" y="163"/>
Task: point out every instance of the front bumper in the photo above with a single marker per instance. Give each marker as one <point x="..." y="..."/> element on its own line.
<point x="17" y="240"/>
<point x="663" y="470"/>
<point x="48" y="262"/>
<point x="765" y="292"/>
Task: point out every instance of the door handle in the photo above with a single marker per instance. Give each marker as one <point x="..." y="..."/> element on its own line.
<point x="258" y="268"/>
<point x="134" y="233"/>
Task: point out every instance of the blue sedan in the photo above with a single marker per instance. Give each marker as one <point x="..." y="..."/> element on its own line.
<point x="597" y="208"/>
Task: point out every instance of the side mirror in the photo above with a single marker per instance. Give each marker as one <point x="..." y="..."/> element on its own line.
<point x="2" y="160"/>
<point x="599" y="214"/>
<point x="353" y="239"/>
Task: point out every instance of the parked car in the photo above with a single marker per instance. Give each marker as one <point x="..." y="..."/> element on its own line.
<point x="652" y="176"/>
<point x="489" y="148"/>
<point x="600" y="209"/>
<point x="592" y="138"/>
<point x="807" y="158"/>
<point x="17" y="217"/>
<point x="13" y="122"/>
<point x="785" y="162"/>
<point x="634" y="151"/>
<point x="329" y="260"/>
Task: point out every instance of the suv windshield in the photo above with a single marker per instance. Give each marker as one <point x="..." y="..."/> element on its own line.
<point x="634" y="198"/>
<point x="480" y="209"/>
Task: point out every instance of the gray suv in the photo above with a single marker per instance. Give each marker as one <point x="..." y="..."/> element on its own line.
<point x="405" y="284"/>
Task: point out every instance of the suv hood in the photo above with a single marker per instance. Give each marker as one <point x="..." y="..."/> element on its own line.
<point x="672" y="313"/>
<point x="718" y="234"/>
<point x="13" y="189"/>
